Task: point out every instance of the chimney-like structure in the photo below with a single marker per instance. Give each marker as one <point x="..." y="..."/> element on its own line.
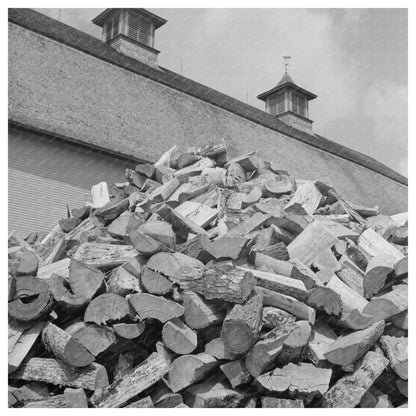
<point x="131" y="32"/>
<point x="289" y="103"/>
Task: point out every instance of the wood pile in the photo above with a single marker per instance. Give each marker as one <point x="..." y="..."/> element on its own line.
<point x="204" y="281"/>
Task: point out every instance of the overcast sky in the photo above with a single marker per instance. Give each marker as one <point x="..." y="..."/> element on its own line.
<point x="355" y="60"/>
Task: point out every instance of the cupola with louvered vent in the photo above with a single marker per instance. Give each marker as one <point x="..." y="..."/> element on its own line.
<point x="131" y="32"/>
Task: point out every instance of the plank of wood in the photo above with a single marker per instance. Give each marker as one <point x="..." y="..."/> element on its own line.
<point x="131" y="385"/>
<point x="348" y="391"/>
<point x="396" y="351"/>
<point x="50" y="370"/>
<point x="349" y="348"/>
<point x="189" y="369"/>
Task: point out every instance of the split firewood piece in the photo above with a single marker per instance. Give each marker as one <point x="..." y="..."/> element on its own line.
<point x="378" y="268"/>
<point x="402" y="386"/>
<point x="389" y="304"/>
<point x="189" y="369"/>
<point x="262" y="357"/>
<point x="168" y="401"/>
<point x="382" y="225"/>
<point x="302" y="272"/>
<point x="396" y="351"/>
<point x="28" y="262"/>
<point x="199" y="214"/>
<point x="277" y="251"/>
<point x="135" y="178"/>
<point x="217" y="349"/>
<point x="225" y="247"/>
<point x="200" y="313"/>
<point x="248" y="162"/>
<point x="157" y="307"/>
<point x="186" y="159"/>
<point x="295" y="345"/>
<point x="178" y="337"/>
<point x="276" y="318"/>
<point x="340" y="231"/>
<point x="181" y="225"/>
<point x="131" y="385"/>
<point x="236" y="373"/>
<point x="187" y="191"/>
<point x="305" y="200"/>
<point x="225" y="282"/>
<point x="241" y="326"/>
<point x="149" y="186"/>
<point x="145" y="244"/>
<point x="32" y="299"/>
<point x="124" y="365"/>
<point x="57" y="253"/>
<point x="104" y="256"/>
<point x="352" y="276"/>
<point x="76" y="398"/>
<point x="235" y="174"/>
<point x="119" y="227"/>
<point x="122" y="282"/>
<point x="146" y="402"/>
<point x="167" y="157"/>
<point x="401" y="218"/>
<point x="65" y="347"/>
<point x="84" y="280"/>
<point x="401" y="320"/>
<point x="250" y="224"/>
<point x="94" y="338"/>
<point x="61" y="267"/>
<point x="129" y="331"/>
<point x="288" y="304"/>
<point x="278" y="185"/>
<point x="252" y="197"/>
<point x="327" y="260"/>
<point x="293" y="223"/>
<point x="209" y="198"/>
<point x="324" y="298"/>
<point x="372" y="244"/>
<point x="322" y="339"/>
<point x="100" y="195"/>
<point x="106" y="307"/>
<point x="340" y="247"/>
<point x="50" y="370"/>
<point x="349" y="348"/>
<point x="274" y="403"/>
<point x="301" y="379"/>
<point x="274" y="206"/>
<point x="348" y="391"/>
<point x="311" y="242"/>
<point x="194" y="170"/>
<point x="111" y="210"/>
<point x="281" y="284"/>
<point x="160" y="231"/>
<point x="21" y="338"/>
<point x="145" y="169"/>
<point x="68" y="224"/>
<point x="212" y="393"/>
<point x="167" y="355"/>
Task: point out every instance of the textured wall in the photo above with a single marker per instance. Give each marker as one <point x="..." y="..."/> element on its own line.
<point x="135" y="51"/>
<point x="297" y="122"/>
<point x="56" y="88"/>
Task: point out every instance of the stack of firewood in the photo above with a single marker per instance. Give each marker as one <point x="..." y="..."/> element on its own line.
<point x="208" y="282"/>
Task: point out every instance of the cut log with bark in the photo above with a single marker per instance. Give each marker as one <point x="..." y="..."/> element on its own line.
<point x="64" y="347"/>
<point x="324" y="298"/>
<point x="189" y="369"/>
<point x="56" y="372"/>
<point x="160" y="231"/>
<point x="278" y="186"/>
<point x="84" y="280"/>
<point x="200" y="313"/>
<point x="22" y="336"/>
<point x="122" y="282"/>
<point x="217" y="349"/>
<point x="236" y="373"/>
<point x="388" y="305"/>
<point x="225" y="247"/>
<point x="303" y="379"/>
<point x="305" y="200"/>
<point x="348" y="391"/>
<point x="127" y="388"/>
<point x="273" y="402"/>
<point x="28" y="263"/>
<point x="378" y="268"/>
<point x="241" y="326"/>
<point x="60" y="267"/>
<point x="32" y="299"/>
<point x="349" y="348"/>
<point x="275" y="318"/>
<point x="106" y="307"/>
<point x="129" y="330"/>
<point x="157" y="307"/>
<point x="396" y="351"/>
<point x="178" y="337"/>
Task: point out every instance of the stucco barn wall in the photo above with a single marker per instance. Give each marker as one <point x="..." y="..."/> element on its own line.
<point x="58" y="89"/>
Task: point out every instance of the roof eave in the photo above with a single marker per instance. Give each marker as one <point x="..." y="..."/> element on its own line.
<point x="263" y="96"/>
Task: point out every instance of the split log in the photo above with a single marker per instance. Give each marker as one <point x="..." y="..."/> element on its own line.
<point x="187" y="191"/>
<point x="225" y="247"/>
<point x="122" y="282"/>
<point x="247" y="226"/>
<point x="277" y="251"/>
<point x="303" y="379"/>
<point x="189" y="369"/>
<point x="57" y="253"/>
<point x="200" y="313"/>
<point x="119" y="227"/>
<point x="84" y="280"/>
<point x="348" y="391"/>
<point x="278" y="186"/>
<point x="235" y="174"/>
<point x="349" y="348"/>
<point x="145" y="244"/>
<point x="389" y="304"/>
<point x="340" y="247"/>
<point x="50" y="370"/>
<point x="324" y="298"/>
<point x="167" y="157"/>
<point x="106" y="307"/>
<point x="309" y="244"/>
<point x="157" y="307"/>
<point x="275" y="318"/>
<point x="217" y="349"/>
<point x="131" y="385"/>
<point x="32" y="299"/>
<point x="327" y="260"/>
<point x="65" y="347"/>
<point x="262" y="357"/>
<point x="178" y="337"/>
<point x="402" y="386"/>
<point x="194" y="170"/>
<point x="146" y="402"/>
<point x="169" y="400"/>
<point x="145" y="169"/>
<point x="401" y="320"/>
<point x="21" y="338"/>
<point x="248" y="162"/>
<point x="305" y="200"/>
<point x="302" y="272"/>
<point x="378" y="268"/>
<point x="252" y="198"/>
<point x="226" y="282"/>
<point x="199" y="214"/>
<point x="382" y="225"/>
<point x="160" y="231"/>
<point x="111" y="210"/>
<point x="241" y="326"/>
<point x="94" y="338"/>
<point x="273" y="402"/>
<point x="104" y="256"/>
<point x="322" y="339"/>
<point x="166" y="354"/>
<point x="396" y="351"/>
<point x="28" y="263"/>
<point x="352" y="277"/>
<point x="236" y="373"/>
<point x="76" y="398"/>
<point x="129" y="331"/>
<point x="288" y="304"/>
<point x="60" y="267"/>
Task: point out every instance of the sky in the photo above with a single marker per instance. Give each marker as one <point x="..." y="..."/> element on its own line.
<point x="355" y="60"/>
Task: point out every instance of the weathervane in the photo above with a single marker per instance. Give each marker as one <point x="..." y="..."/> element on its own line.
<point x="286" y="62"/>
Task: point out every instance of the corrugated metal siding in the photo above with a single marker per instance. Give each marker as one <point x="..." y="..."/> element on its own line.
<point x="37" y="204"/>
